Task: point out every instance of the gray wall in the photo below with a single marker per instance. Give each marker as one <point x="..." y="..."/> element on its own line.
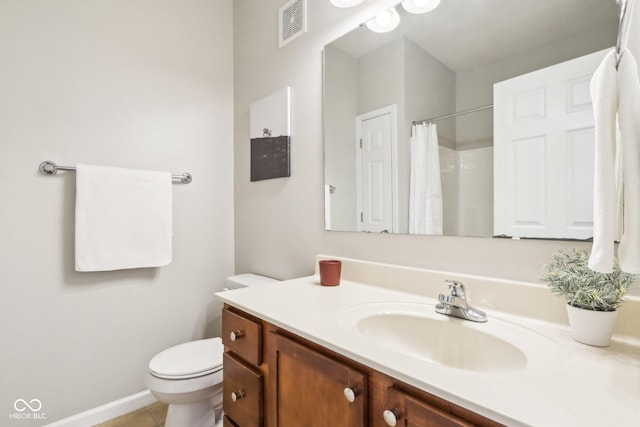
<point x="143" y="84"/>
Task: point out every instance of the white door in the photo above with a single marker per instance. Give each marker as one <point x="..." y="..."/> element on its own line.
<point x="544" y="152"/>
<point x="376" y="179"/>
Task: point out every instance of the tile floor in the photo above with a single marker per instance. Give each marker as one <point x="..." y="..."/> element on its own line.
<point x="149" y="416"/>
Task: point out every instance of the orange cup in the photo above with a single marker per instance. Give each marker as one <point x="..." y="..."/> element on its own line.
<point x="330" y="270"/>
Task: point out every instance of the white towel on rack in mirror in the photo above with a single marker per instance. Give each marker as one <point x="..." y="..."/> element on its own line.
<point x="123" y="218"/>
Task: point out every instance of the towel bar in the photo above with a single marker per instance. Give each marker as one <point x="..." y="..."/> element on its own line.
<point x="50" y="168"/>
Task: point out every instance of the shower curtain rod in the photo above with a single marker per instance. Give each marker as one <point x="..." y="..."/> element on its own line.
<point x="459" y="113"/>
<point x="50" y="168"/>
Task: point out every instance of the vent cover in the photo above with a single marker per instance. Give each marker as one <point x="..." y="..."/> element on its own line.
<point x="293" y="21"/>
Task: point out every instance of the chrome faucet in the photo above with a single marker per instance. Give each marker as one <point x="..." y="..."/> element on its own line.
<point x="455" y="304"/>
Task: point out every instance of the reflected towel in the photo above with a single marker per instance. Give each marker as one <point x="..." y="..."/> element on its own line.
<point x="123" y="218"/>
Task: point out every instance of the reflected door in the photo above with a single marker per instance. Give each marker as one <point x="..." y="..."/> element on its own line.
<point x="375" y="177"/>
<point x="544" y="152"/>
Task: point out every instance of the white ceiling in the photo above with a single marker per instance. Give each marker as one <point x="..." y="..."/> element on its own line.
<point x="463" y="33"/>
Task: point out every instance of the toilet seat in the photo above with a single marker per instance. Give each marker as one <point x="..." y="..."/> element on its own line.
<point x="189" y="360"/>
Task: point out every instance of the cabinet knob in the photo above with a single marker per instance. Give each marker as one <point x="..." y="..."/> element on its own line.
<point x="391" y="417"/>
<point x="350" y="393"/>
<point x="237" y="395"/>
<point x="234" y="335"/>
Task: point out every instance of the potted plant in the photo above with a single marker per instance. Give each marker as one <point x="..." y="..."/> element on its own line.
<point x="592" y="297"/>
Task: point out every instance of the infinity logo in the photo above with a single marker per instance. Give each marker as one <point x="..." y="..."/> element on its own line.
<point x="21" y="405"/>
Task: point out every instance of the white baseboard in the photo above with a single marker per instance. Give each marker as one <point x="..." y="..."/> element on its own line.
<point x="107" y="411"/>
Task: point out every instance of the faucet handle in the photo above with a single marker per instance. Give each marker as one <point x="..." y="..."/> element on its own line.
<point x="455" y="287"/>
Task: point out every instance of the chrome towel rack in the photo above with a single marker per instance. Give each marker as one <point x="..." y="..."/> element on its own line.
<point x="51" y="168"/>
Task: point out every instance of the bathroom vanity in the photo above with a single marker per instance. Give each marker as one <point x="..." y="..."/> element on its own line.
<point x="304" y="383"/>
<point x="373" y="352"/>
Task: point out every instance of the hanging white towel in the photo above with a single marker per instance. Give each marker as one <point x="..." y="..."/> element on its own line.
<point x="604" y="95"/>
<point x="425" y="189"/>
<point x="616" y="94"/>
<point x="123" y="218"/>
<point x="629" y="122"/>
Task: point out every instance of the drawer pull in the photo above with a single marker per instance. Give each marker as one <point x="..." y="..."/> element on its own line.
<point x="237" y="395"/>
<point x="391" y="417"/>
<point x="350" y="393"/>
<point x="234" y="335"/>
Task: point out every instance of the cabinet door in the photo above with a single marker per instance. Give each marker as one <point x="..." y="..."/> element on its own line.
<point x="313" y="390"/>
<point x="405" y="410"/>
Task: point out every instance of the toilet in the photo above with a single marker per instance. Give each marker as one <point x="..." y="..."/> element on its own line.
<point x="188" y="376"/>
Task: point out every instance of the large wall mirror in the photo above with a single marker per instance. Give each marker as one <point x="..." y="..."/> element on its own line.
<point x="498" y="89"/>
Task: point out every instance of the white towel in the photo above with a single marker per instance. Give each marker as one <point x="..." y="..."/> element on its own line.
<point x="123" y="218"/>
<point x="616" y="93"/>
<point x="604" y="95"/>
<point x="629" y="121"/>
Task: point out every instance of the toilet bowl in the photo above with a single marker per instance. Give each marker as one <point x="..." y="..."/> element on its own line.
<point x="188" y="377"/>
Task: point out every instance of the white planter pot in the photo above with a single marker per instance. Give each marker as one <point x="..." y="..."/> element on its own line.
<point x="591" y="327"/>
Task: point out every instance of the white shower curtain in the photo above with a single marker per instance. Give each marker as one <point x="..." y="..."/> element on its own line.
<point x="425" y="189"/>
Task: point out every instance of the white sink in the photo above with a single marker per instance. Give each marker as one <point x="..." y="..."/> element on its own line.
<point x="415" y="330"/>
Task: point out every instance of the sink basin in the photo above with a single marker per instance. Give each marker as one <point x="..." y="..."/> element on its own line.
<point x="416" y="331"/>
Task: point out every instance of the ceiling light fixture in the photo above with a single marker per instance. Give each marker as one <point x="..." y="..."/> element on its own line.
<point x="385" y="21"/>
<point x="420" y="6"/>
<point x="346" y="3"/>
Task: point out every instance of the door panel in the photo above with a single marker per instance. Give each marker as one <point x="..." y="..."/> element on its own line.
<point x="310" y="388"/>
<point x="376" y="174"/>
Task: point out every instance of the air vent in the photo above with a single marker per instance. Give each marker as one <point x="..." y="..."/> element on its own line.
<point x="293" y="21"/>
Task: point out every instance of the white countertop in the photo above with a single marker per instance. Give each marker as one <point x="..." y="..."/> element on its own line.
<point x="565" y="384"/>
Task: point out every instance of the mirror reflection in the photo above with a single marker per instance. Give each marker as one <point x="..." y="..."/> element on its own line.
<point x="473" y="119"/>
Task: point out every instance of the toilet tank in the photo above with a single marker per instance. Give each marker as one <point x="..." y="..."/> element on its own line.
<point x="247" y="280"/>
<point x="214" y="325"/>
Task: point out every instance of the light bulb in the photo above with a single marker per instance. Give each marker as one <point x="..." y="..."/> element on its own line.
<point x="385" y="21"/>
<point x="420" y="6"/>
<point x="383" y="18"/>
<point x="346" y="3"/>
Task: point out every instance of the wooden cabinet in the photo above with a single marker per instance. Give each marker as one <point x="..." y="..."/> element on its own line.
<point x="274" y="378"/>
<point x="243" y="392"/>
<point x="314" y="390"/>
<point x="242" y="336"/>
<point x="243" y="375"/>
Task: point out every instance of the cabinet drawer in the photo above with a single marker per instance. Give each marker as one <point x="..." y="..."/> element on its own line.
<point x="243" y="393"/>
<point x="242" y="336"/>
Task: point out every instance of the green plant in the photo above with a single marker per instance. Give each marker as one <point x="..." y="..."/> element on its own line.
<point x="568" y="275"/>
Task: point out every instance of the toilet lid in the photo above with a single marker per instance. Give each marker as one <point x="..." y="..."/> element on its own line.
<point x="188" y="360"/>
